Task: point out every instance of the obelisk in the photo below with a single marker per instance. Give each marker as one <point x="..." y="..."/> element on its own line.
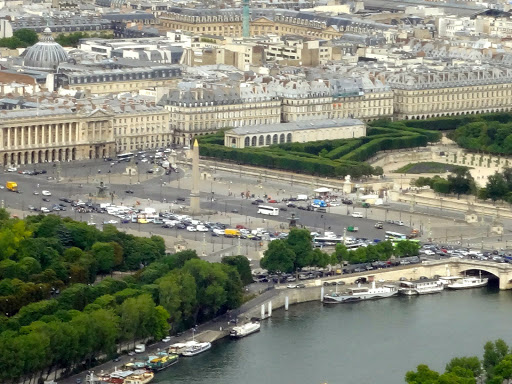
<point x="196" y="175"/>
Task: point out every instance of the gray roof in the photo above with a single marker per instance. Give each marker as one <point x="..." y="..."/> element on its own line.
<point x="46" y="54"/>
<point x="27" y="113"/>
<point x="295" y="126"/>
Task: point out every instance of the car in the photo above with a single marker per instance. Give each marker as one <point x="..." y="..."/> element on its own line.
<point x="340" y="283"/>
<point x="144" y="160"/>
<point x="403" y="279"/>
<point x="150" y="170"/>
<point x="45" y="210"/>
<point x="12" y="169"/>
<point x="429" y="252"/>
<point x="400" y="222"/>
<point x="283" y="209"/>
<point x="191" y="228"/>
<point x="181" y="226"/>
<point x="255" y="203"/>
<point x="46" y="193"/>
<point x="166" y="339"/>
<point x="46" y="199"/>
<point x="259" y="201"/>
<point x="290" y="279"/>
<point x="36" y="193"/>
<point x="116" y="359"/>
<point x="131" y="353"/>
<point x="234" y="210"/>
<point x="291" y="205"/>
<point x="291" y="286"/>
<point x="379" y="225"/>
<point x="357" y="214"/>
<point x="346" y="201"/>
<point x="180" y="198"/>
<point x="129" y="191"/>
<point x="110" y="222"/>
<point x="300" y="286"/>
<point x="272" y="201"/>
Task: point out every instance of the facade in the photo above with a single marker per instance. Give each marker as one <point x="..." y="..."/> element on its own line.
<point x="35" y="136"/>
<point x="425" y="94"/>
<point x="228" y="22"/>
<point x="202" y="111"/>
<point x="83" y="129"/>
<point x="299" y="131"/>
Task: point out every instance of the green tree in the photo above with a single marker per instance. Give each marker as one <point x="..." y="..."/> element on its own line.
<point x="278" y="257"/>
<point x="28" y="36"/>
<point x="319" y="258"/>
<point x="104" y="255"/>
<point x="422" y="375"/>
<point x="242" y="265"/>
<point x="461" y="181"/>
<point x="496" y="187"/>
<point x="442" y="186"/>
<point x="339" y="255"/>
<point x="299" y="241"/>
<point x="493" y="354"/>
<point x="407" y="248"/>
<point x="472" y="363"/>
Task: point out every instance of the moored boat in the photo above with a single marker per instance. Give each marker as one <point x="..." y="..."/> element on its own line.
<point x="245" y="329"/>
<point x="197" y="348"/>
<point x="161" y="362"/>
<point x="139" y="377"/>
<point x="361" y="293"/>
<point x="468" y="282"/>
<point x="420" y="287"/>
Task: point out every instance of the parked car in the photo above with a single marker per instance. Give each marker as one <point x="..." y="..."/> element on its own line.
<point x="357" y="214"/>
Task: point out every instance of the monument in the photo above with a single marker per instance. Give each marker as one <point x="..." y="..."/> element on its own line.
<point x="194" y="191"/>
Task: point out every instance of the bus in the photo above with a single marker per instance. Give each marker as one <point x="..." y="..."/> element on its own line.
<point x="266" y="210"/>
<point x="125" y="156"/>
<point x="394" y="236"/>
<point x="332" y="241"/>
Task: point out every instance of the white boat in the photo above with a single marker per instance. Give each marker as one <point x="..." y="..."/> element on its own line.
<point x="196" y="349"/>
<point x="245" y="329"/>
<point x="361" y="293"/>
<point x="420" y="287"/>
<point x="445" y="280"/>
<point x="468" y="282"/>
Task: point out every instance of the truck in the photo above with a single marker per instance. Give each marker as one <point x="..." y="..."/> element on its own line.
<point x="12" y="186"/>
<point x="140" y="348"/>
<point x="232" y="233"/>
<point x="352" y="229"/>
<point x="302" y="197"/>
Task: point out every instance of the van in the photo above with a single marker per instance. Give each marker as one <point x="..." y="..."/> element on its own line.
<point x="357" y="214"/>
<point x="142" y="221"/>
<point x="140" y="348"/>
<point x="232" y="233"/>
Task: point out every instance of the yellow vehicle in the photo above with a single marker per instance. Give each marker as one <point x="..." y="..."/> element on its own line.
<point x="142" y="221"/>
<point x="12" y="186"/>
<point x="232" y="233"/>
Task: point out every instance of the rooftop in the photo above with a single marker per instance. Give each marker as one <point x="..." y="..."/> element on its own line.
<point x="295" y="126"/>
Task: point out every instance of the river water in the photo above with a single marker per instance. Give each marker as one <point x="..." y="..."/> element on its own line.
<point x="367" y="342"/>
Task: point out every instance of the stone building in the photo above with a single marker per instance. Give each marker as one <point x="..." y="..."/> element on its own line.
<point x="298" y="131"/>
<point x="200" y="111"/>
<point x="228" y="22"/>
<point x="451" y="92"/>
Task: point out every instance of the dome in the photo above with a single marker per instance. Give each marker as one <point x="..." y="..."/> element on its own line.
<point x="46" y="54"/>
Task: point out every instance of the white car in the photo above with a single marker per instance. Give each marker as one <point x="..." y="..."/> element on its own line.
<point x="144" y="160"/>
<point x="36" y="193"/>
<point x="191" y="228"/>
<point x="334" y="204"/>
<point x="401" y="223"/>
<point x="111" y="222"/>
<point x="202" y="228"/>
<point x="46" y="193"/>
<point x="12" y="169"/>
<point x="429" y="252"/>
<point x="45" y="210"/>
<point x="166" y="339"/>
<point x="291" y="286"/>
<point x="358" y="214"/>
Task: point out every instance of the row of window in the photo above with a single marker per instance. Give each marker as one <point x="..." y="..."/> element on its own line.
<point x="266" y="140"/>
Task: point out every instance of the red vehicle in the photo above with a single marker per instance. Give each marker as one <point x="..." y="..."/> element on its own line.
<point x="272" y="201"/>
<point x="240" y="226"/>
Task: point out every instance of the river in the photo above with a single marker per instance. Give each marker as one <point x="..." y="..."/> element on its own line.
<point x="367" y="342"/>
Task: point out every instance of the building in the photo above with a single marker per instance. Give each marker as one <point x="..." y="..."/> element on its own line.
<point x="45" y="55"/>
<point x="199" y="111"/>
<point x="456" y="91"/>
<point x="299" y="131"/>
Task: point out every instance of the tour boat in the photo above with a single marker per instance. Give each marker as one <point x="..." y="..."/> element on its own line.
<point x="420" y="287"/>
<point x="197" y="348"/>
<point x="445" y="280"/>
<point x="163" y="361"/>
<point x="179" y="348"/>
<point x="245" y="329"/>
<point x="361" y="293"/>
<point x="468" y="282"/>
<point x="139" y="377"/>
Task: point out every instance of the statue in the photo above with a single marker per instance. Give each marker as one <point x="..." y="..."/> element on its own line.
<point x="102" y="190"/>
<point x="347" y="179"/>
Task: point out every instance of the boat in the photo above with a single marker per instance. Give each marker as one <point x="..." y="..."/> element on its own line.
<point x="468" y="282"/>
<point x="197" y="348"/>
<point x="445" y="280"/>
<point x="361" y="293"/>
<point x="420" y="287"/>
<point x="139" y="377"/>
<point x="245" y="329"/>
<point x="179" y="348"/>
<point x="161" y="362"/>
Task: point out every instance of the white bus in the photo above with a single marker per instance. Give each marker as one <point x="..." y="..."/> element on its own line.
<point x="125" y="156"/>
<point x="266" y="210"/>
<point x="394" y="235"/>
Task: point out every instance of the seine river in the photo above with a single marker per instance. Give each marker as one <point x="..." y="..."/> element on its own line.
<point x="368" y="342"/>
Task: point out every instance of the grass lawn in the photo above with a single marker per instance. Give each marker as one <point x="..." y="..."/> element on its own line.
<point x="427" y="167"/>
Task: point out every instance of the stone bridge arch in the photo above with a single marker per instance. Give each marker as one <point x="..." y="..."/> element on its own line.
<point x="502" y="276"/>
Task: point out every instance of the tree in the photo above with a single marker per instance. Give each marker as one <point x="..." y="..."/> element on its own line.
<point x="496" y="187"/>
<point x="319" y="258"/>
<point x="471" y="363"/>
<point x="340" y="254"/>
<point x="104" y="255"/>
<point x="278" y="257"/>
<point x="461" y="182"/>
<point x="493" y="354"/>
<point x="423" y="375"/>
<point x="242" y="265"/>
<point x="407" y="248"/>
<point x="26" y="35"/>
<point x="299" y="241"/>
<point x="441" y="186"/>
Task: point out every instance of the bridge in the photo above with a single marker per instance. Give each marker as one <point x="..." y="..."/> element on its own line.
<point x="447" y="267"/>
